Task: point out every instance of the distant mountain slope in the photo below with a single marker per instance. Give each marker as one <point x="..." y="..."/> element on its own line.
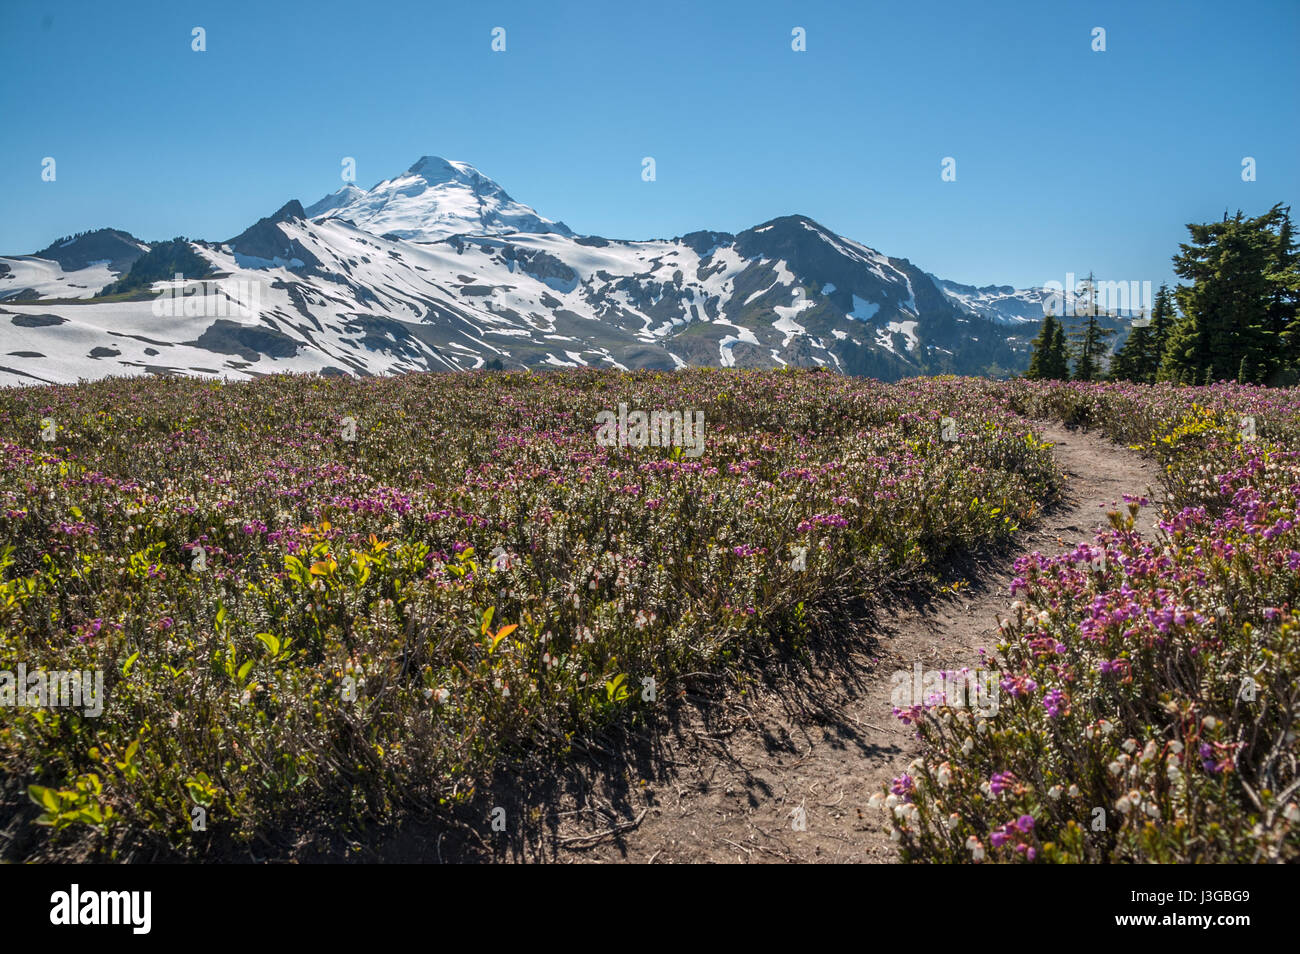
<point x="1000" y="303"/>
<point x="440" y="269"/>
<point x="76" y="266"/>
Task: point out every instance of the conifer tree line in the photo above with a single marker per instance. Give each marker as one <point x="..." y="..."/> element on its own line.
<point x="1237" y="319"/>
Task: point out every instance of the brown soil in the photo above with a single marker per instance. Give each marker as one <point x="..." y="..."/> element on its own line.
<point x="725" y="779"/>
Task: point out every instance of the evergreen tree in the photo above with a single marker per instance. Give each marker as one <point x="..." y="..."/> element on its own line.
<point x="1139" y="358"/>
<point x="1089" y="348"/>
<point x="1284" y="306"/>
<point x="1163" y="315"/>
<point x="1049" y="360"/>
<point x="1040" y="357"/>
<point x="1241" y="302"/>
<point x="1058" y="365"/>
<point x="1137" y="354"/>
<point x="1084" y="351"/>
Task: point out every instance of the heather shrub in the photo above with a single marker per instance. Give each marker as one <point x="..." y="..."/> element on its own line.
<point x="1149" y="700"/>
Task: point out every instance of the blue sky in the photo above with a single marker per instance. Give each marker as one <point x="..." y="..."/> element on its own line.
<point x="1067" y="159"/>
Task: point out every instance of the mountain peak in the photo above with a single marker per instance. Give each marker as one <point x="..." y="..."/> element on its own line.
<point x="432" y="200"/>
<point x="335" y="200"/>
<point x="290" y="210"/>
<point x="438" y="169"/>
<point x="118" y="248"/>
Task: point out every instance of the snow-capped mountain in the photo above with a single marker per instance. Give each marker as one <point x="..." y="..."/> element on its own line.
<point x="433" y="199"/>
<point x="1000" y="303"/>
<point x="440" y="269"/>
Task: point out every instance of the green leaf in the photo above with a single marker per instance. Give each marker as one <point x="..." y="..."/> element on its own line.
<point x="272" y="643"/>
<point x="46" y="798"/>
<point x="243" y="670"/>
<point x="296" y="569"/>
<point x="614" y="690"/>
<point x="126" y="666"/>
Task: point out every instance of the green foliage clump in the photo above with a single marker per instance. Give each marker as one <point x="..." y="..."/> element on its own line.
<point x="161" y="263"/>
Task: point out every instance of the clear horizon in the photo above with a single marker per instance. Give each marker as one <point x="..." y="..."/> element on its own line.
<point x="1067" y="159"/>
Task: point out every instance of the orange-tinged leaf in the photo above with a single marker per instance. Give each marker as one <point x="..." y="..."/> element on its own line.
<point x="502" y="634"/>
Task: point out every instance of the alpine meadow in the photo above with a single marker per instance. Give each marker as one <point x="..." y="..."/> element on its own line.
<point x="568" y="433"/>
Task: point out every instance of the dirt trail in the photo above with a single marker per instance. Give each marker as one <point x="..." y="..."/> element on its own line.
<point x="731" y="785"/>
<point x="722" y="781"/>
